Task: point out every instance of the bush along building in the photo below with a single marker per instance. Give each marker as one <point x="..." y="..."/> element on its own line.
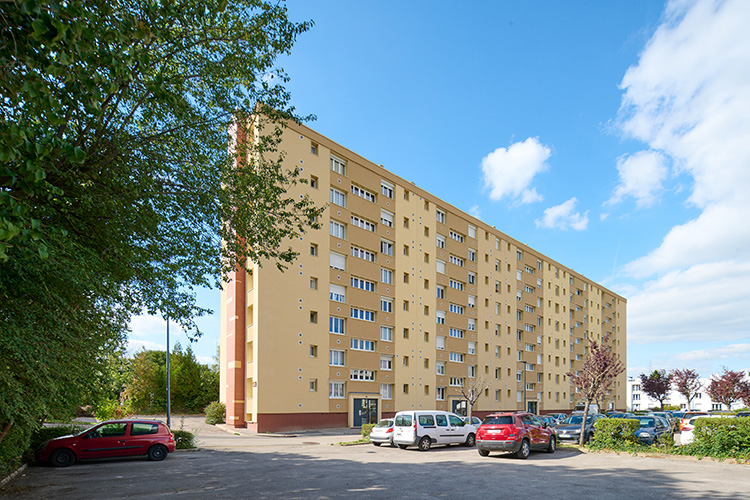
<point x="399" y="302"/>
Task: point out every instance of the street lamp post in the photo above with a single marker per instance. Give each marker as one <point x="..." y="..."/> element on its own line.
<point x="525" y="408"/>
<point x="168" y="387"/>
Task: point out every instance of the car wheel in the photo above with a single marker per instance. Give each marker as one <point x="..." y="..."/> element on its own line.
<point x="524" y="451"/>
<point x="471" y="440"/>
<point x="552" y="446"/>
<point x="424" y="443"/>
<point x="376" y="444"/>
<point x="62" y="457"/>
<point x="483" y="453"/>
<point x="157" y="452"/>
<point x="402" y="446"/>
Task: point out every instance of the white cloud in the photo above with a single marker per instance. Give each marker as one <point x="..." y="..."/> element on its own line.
<point x="508" y="172"/>
<point x="727" y="352"/>
<point x="563" y="217"/>
<point x="135" y="345"/>
<point x="475" y="211"/>
<point x="641" y="176"/>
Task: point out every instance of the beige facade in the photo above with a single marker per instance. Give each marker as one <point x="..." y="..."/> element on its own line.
<point x="398" y="300"/>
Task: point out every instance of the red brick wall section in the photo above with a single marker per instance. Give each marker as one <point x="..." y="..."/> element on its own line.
<point x="282" y="422"/>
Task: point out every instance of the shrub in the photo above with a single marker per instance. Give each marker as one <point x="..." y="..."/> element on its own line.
<point x="215" y="413"/>
<point x="109" y="409"/>
<point x="366" y="430"/>
<point x="12" y="447"/>
<point x="184" y="440"/>
<point x="722" y="437"/>
<point x="42" y="434"/>
<point x="615" y="433"/>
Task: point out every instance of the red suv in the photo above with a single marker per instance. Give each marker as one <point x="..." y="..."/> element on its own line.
<point x="517" y="433"/>
<point x="115" y="438"/>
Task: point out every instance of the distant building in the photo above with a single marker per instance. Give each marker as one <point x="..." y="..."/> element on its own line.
<point x="396" y="303"/>
<point x="639" y="400"/>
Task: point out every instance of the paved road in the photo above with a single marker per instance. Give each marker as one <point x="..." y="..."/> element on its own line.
<point x="310" y="466"/>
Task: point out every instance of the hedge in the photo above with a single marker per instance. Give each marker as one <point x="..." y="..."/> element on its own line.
<point x="722" y="437"/>
<point x="615" y="433"/>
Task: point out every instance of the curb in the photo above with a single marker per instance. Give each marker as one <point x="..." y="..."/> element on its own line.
<point x="10" y="477"/>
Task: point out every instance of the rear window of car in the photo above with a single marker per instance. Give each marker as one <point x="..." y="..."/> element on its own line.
<point x="505" y="420"/>
<point x="404" y="420"/>
<point x="383" y="423"/>
<point x="140" y="429"/>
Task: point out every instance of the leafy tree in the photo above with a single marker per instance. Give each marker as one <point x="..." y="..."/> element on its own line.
<point x="687" y="382"/>
<point x="729" y="387"/>
<point x="657" y="385"/>
<point x="600" y="368"/>
<point x="473" y="391"/>
<point x="116" y="182"/>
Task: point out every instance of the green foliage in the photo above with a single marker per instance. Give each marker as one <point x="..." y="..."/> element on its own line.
<point x="45" y="433"/>
<point x="117" y="186"/>
<point x="109" y="409"/>
<point x="184" y="440"/>
<point x="722" y="437"/>
<point x="215" y="413"/>
<point x="12" y="447"/>
<point x="615" y="433"/>
<point x="366" y="430"/>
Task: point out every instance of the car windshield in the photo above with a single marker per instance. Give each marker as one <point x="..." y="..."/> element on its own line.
<point x="384" y="423"/>
<point x="647" y="422"/>
<point x="576" y="419"/>
<point x="505" y="420"/>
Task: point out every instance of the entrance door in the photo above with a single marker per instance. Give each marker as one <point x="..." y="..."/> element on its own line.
<point x="532" y="406"/>
<point x="460" y="407"/>
<point x="365" y="411"/>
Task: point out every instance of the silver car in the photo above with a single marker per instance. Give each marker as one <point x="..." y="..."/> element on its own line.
<point x="382" y="433"/>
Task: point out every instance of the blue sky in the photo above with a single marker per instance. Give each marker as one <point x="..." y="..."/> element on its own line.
<point x="613" y="137"/>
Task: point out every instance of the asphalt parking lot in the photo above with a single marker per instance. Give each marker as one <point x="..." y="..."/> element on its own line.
<point x="314" y="466"/>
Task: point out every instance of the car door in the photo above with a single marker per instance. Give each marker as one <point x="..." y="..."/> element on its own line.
<point x="458" y="429"/>
<point x="443" y="429"/>
<point x="427" y="427"/>
<point x="140" y="438"/>
<point x="106" y="440"/>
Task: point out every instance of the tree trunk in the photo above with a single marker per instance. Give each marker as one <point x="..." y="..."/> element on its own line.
<point x="583" y="424"/>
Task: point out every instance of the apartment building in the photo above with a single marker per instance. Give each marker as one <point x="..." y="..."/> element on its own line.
<point x="399" y="302"/>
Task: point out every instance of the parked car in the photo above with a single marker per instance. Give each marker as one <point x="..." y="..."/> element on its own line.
<point x="550" y="421"/>
<point x="570" y="428"/>
<point x="688" y="415"/>
<point x="382" y="433"/>
<point x="651" y="428"/>
<point x="517" y="433"/>
<point x="686" y="434"/>
<point x="742" y="414"/>
<point x="621" y="415"/>
<point x="475" y="421"/>
<point x="114" y="438"/>
<point x="557" y="416"/>
<point x="668" y="417"/>
<point x="424" y="428"/>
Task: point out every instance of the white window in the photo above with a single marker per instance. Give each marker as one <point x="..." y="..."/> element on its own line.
<point x="472" y="232"/>
<point x="338" y="261"/>
<point x="386" y="391"/>
<point x="386" y="247"/>
<point x="362" y="345"/>
<point x="456" y="357"/>
<point x="386" y="304"/>
<point x="529" y="308"/>
<point x="519" y="295"/>
<point x="386" y="276"/>
<point x="363" y="254"/>
<point x="472" y="347"/>
<point x="455" y="308"/>
<point x="336" y="390"/>
<point x="456" y="333"/>
<point x="386" y="333"/>
<point x="456" y="284"/>
<point x="440" y="393"/>
<point x="338" y="197"/>
<point x="336" y="325"/>
<point x="440" y="216"/>
<point x="456" y="236"/>
<point x="528" y="289"/>
<point x="338" y="293"/>
<point x="440" y="266"/>
<point x="386" y="363"/>
<point x="440" y="241"/>
<point x="472" y="324"/>
<point x="455" y="381"/>
<point x="441" y="317"/>
<point x="456" y="260"/>
<point x="368" y="375"/>
<point x="363" y="284"/>
<point x="363" y="193"/>
<point x="519" y="275"/>
<point x="472" y="255"/>
<point x="519" y="255"/>
<point x="440" y="368"/>
<point x="529" y="328"/>
<point x="530" y="347"/>
<point x="472" y="278"/>
<point x="472" y="371"/>
<point x="386" y="188"/>
<point x="440" y="342"/>
<point x="362" y="314"/>
<point x="336" y="358"/>
<point x="386" y="218"/>
<point x="363" y="223"/>
<point x="338" y="230"/>
<point x="338" y="165"/>
<point x="440" y="290"/>
<point x="472" y="301"/>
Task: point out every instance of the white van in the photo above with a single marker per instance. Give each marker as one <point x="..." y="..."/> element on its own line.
<point x="424" y="428"/>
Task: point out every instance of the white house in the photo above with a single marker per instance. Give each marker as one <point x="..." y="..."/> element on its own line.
<point x="639" y="400"/>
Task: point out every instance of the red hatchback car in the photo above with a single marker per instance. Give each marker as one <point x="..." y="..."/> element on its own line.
<point x="114" y="438"/>
<point x="517" y="433"/>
